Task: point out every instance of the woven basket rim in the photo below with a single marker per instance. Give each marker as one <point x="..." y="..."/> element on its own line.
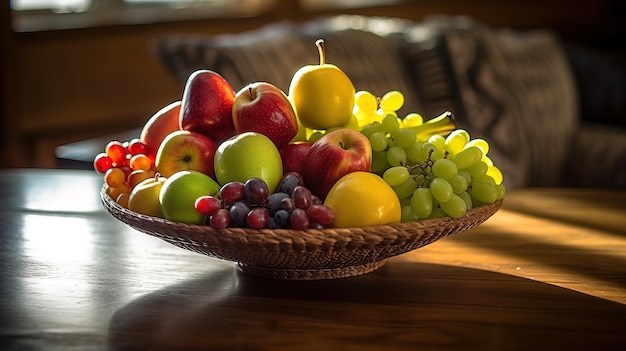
<point x="479" y="213"/>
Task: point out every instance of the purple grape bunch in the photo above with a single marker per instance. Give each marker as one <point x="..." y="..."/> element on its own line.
<point x="250" y="204"/>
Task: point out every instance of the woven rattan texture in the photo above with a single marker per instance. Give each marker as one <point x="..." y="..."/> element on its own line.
<point x="311" y="254"/>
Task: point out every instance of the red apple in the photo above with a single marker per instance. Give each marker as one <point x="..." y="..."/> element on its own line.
<point x="293" y="156"/>
<point x="334" y="155"/>
<point x="162" y="123"/>
<point x="207" y="105"/>
<point x="264" y="108"/>
<point x="185" y="151"/>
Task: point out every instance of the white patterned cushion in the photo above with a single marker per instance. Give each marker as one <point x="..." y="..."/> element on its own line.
<point x="514" y="89"/>
<point x="267" y="54"/>
<point x="364" y="48"/>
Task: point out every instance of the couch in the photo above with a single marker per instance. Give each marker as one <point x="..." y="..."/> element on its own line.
<point x="532" y="96"/>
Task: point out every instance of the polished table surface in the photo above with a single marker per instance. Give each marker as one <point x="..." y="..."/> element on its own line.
<point x="548" y="271"/>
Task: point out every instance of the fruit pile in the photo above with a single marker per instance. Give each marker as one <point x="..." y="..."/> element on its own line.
<point x="323" y="155"/>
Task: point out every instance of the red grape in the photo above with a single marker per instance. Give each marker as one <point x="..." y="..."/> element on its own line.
<point x="116" y="151"/>
<point x="208" y="204"/>
<point x="138" y="176"/>
<point x="140" y="161"/>
<point x="232" y="192"/>
<point x="256" y="190"/>
<point x="301" y="197"/>
<point x="299" y="219"/>
<point x="321" y="214"/>
<point x="114" y="177"/>
<point x="102" y="163"/>
<point x="258" y="217"/>
<point x="136" y="147"/>
<point x="220" y="219"/>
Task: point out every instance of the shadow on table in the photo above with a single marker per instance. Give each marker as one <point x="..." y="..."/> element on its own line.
<point x="442" y="307"/>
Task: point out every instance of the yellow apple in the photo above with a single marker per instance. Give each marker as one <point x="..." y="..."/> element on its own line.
<point x="144" y="198"/>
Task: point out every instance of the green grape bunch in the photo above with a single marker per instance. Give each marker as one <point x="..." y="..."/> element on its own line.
<point x="435" y="168"/>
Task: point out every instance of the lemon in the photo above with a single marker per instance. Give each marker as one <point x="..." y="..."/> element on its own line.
<point x="361" y="199"/>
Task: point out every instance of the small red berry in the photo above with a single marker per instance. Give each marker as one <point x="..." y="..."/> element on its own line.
<point x="136" y="147"/>
<point x="102" y="163"/>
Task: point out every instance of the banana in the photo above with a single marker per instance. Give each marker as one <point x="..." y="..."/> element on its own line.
<point x="442" y="124"/>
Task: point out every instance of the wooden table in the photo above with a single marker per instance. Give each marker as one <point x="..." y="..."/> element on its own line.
<point x="548" y="271"/>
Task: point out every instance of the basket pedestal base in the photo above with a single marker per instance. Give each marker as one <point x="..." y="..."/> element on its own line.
<point x="310" y="274"/>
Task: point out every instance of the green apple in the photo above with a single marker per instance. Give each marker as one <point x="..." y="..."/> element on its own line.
<point x="179" y="193"/>
<point x="248" y="155"/>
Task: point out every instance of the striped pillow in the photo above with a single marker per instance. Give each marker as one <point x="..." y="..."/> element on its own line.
<point x="513" y="88"/>
<point x="271" y="54"/>
<point x="365" y="48"/>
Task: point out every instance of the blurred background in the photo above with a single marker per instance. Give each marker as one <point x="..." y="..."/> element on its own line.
<point x="78" y="69"/>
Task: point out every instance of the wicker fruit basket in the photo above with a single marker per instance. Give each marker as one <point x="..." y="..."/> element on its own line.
<point x="302" y="255"/>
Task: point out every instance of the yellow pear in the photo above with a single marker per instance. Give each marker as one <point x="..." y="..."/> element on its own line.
<point x="322" y="95"/>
